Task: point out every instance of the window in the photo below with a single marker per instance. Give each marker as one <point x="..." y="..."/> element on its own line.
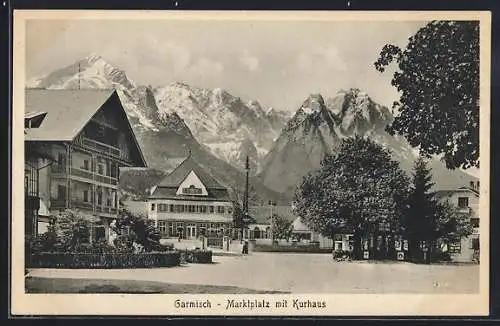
<point x="113" y="170"/>
<point x="108" y="168"/>
<point x="108" y="200"/>
<point x="220" y="209"/>
<point x="474" y="222"/>
<point x="171" y="208"/>
<point x="99" y="197"/>
<point x="100" y="169"/>
<point x="211" y="208"/>
<point x="86" y="196"/>
<point x="203" y="209"/>
<point x="161" y="207"/>
<point x="153" y="207"/>
<point x="463" y="202"/>
<point x="99" y="233"/>
<point x="192" y="190"/>
<point x="162" y="227"/>
<point x="61" y="192"/>
<point x="474" y="243"/>
<point x="85" y="164"/>
<point x="171" y="229"/>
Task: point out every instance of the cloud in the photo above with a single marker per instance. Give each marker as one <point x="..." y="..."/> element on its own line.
<point x="250" y="62"/>
<point x="206" y="67"/>
<point x="320" y="60"/>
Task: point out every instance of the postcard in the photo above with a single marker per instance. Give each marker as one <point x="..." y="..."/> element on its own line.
<point x="250" y="163"/>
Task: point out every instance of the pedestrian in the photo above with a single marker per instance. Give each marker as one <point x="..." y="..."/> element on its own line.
<point x="245" y="248"/>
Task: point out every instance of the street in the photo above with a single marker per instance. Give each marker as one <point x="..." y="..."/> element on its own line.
<point x="299" y="273"/>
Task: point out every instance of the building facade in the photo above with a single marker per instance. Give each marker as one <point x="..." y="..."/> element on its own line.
<point x="189" y="203"/>
<point x="466" y="200"/>
<point x="76" y="141"/>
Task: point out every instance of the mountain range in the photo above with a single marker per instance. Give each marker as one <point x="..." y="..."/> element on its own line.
<point x="220" y="130"/>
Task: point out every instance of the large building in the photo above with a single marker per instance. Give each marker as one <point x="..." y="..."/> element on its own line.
<point x="75" y="143"/>
<point x="189" y="202"/>
<point x="466" y="200"/>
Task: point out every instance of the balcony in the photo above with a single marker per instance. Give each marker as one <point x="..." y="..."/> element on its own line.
<point x="101" y="147"/>
<point x="81" y="173"/>
<point x="81" y="204"/>
<point x="106" y="179"/>
<point x="106" y="209"/>
<point x="86" y="174"/>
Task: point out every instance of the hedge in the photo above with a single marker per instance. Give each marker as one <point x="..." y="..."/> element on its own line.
<point x="104" y="260"/>
<point x="292" y="249"/>
<point x="197" y="256"/>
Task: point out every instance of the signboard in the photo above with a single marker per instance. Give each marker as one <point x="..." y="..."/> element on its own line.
<point x="455" y="247"/>
<point x="405" y="245"/>
<point x="401" y="255"/>
<point x="398" y="245"/>
<point x="366" y="254"/>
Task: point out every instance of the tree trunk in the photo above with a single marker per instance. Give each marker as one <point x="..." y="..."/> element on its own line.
<point x="357" y="245"/>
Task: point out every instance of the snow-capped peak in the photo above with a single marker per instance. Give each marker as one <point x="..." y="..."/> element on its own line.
<point x="93" y="57"/>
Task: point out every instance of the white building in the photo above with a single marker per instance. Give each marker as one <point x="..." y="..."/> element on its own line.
<point x="466" y="199"/>
<point x="189" y="202"/>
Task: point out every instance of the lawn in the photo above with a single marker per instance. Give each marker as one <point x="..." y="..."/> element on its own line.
<point x="78" y="285"/>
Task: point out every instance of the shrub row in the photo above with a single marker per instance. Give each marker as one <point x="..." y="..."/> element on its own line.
<point x="196" y="256"/>
<point x="294" y="249"/>
<point x="104" y="260"/>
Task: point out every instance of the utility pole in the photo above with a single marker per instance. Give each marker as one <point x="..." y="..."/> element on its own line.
<point x="245" y="196"/>
<point x="271" y="204"/>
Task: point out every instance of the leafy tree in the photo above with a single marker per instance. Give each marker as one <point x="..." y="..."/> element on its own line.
<point x="135" y="229"/>
<point x="240" y="219"/>
<point x="451" y="223"/>
<point x="281" y="227"/>
<point x="69" y="229"/>
<point x="438" y="79"/>
<point x="361" y="189"/>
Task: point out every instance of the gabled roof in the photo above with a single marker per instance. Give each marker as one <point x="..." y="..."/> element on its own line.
<point x="449" y="192"/>
<point x="68" y="111"/>
<point x="177" y="176"/>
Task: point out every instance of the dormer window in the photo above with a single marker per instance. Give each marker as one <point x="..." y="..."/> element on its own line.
<point x="192" y="190"/>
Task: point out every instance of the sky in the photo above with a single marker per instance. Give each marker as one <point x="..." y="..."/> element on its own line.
<point x="278" y="63"/>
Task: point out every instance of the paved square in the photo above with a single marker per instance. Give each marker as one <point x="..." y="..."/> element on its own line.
<point x="300" y="273"/>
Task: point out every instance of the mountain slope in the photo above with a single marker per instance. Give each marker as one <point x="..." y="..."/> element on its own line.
<point x="319" y="126"/>
<point x="164" y="137"/>
<point x="222" y="122"/>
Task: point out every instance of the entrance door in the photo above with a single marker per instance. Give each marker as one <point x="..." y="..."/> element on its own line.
<point x="191" y="231"/>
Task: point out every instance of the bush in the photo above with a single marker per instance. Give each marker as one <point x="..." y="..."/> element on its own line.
<point x="104" y="260"/>
<point x="196" y="256"/>
<point x="163" y="247"/>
